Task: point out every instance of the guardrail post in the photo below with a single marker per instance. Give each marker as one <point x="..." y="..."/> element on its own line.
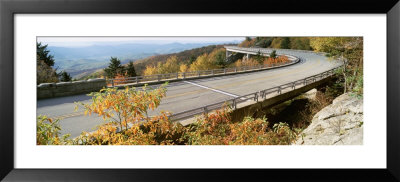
<point x="158" y="77"/>
<point x="305" y="81"/>
<point x="205" y="110"/>
<point x="177" y="75"/>
<point x="279" y="90"/>
<point x="137" y="80"/>
<point x="183" y="75"/>
<point x="198" y="73"/>
<point x="234" y="104"/>
<point x="235" y="70"/>
<point x="112" y="82"/>
<point x="294" y="85"/>
<point x="212" y="72"/>
<point x="256" y="97"/>
<point x="224" y="70"/>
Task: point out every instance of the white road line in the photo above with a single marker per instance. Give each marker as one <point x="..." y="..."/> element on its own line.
<point x="215" y="90"/>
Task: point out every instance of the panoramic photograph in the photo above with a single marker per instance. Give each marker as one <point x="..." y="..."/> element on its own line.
<point x="199" y="90"/>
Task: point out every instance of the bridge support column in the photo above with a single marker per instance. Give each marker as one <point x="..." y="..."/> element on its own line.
<point x="228" y="54"/>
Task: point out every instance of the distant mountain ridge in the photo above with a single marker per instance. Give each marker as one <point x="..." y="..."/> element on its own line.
<point x="78" y="60"/>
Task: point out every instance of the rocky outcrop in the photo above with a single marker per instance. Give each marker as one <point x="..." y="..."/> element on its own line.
<point x="340" y="123"/>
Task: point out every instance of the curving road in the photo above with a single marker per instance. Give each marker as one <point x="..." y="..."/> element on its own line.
<point x="185" y="95"/>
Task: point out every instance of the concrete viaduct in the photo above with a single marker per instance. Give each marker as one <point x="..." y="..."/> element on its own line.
<point x="256" y="51"/>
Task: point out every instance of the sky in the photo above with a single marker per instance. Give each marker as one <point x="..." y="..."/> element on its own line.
<point x="88" y="41"/>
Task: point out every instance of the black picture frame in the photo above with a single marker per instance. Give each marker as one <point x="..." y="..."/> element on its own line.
<point x="8" y="8"/>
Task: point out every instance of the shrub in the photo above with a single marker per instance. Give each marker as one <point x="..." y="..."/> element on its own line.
<point x="218" y="129"/>
<point x="124" y="106"/>
<point x="120" y="79"/>
<point x="278" y="59"/>
<point x="48" y="131"/>
<point x="157" y="131"/>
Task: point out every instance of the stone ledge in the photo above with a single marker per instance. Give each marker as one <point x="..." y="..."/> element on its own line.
<point x="49" y="90"/>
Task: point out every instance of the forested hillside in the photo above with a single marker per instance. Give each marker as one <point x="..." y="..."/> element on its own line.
<point x="302" y="43"/>
<point x="185" y="57"/>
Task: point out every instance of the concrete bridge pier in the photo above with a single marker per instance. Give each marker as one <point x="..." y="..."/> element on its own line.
<point x="228" y="54"/>
<point x="252" y="108"/>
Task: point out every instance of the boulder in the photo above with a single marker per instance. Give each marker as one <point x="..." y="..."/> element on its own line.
<point x="340" y="123"/>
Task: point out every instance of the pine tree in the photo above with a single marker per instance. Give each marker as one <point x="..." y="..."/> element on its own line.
<point x="220" y="57"/>
<point x="43" y="54"/>
<point x="259" y="57"/>
<point x="65" y="77"/>
<point x="130" y="70"/>
<point x="273" y="54"/>
<point x="114" y="68"/>
<point x="285" y="44"/>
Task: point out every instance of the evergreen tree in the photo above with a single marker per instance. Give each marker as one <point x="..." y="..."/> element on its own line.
<point x="43" y="54"/>
<point x="273" y="54"/>
<point x="114" y="68"/>
<point x="65" y="77"/>
<point x="220" y="59"/>
<point x="192" y="59"/>
<point x="130" y="70"/>
<point x="259" y="57"/>
<point x="285" y="44"/>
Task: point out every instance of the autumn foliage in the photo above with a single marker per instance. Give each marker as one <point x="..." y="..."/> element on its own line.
<point x="170" y="66"/>
<point x="277" y="60"/>
<point x="157" y="131"/>
<point x="48" y="132"/>
<point x="212" y="129"/>
<point x="123" y="107"/>
<point x="265" y="61"/>
<point x="119" y="79"/>
<point x="128" y="123"/>
<point x="218" y="129"/>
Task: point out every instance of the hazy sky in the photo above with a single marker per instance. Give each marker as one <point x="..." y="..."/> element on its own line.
<point x="87" y="41"/>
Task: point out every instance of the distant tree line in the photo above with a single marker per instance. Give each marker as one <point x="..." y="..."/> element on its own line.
<point x="185" y="57"/>
<point x="302" y="43"/>
<point x="213" y="60"/>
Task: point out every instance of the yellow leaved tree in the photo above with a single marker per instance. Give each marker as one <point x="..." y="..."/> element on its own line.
<point x="123" y="107"/>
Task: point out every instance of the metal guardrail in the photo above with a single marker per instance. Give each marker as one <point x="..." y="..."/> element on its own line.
<point x="255" y="96"/>
<point x="195" y="74"/>
<point x="269" y="50"/>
